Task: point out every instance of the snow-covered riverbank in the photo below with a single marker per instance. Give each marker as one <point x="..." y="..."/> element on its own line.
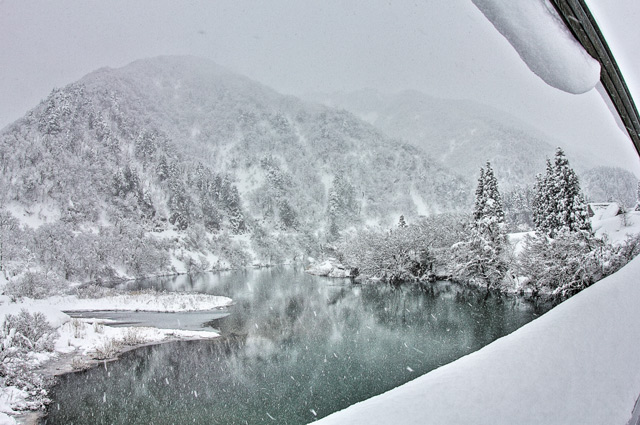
<point x="577" y="364"/>
<point x="330" y="267"/>
<point x="79" y="343"/>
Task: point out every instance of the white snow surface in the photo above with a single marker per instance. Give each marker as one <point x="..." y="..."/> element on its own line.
<point x="330" y="268"/>
<point x="6" y="419"/>
<point x="86" y="337"/>
<point x="517" y="241"/>
<point x="617" y="228"/>
<point x="605" y="210"/>
<point x="577" y="364"/>
<point x="538" y="34"/>
<point x="53" y="307"/>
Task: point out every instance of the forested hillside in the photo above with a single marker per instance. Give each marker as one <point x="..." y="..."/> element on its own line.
<point x="610" y="184"/>
<point x="134" y="170"/>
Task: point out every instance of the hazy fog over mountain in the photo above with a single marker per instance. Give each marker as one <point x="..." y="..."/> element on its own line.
<point x="184" y="141"/>
<point x="446" y="50"/>
<point x="462" y="135"/>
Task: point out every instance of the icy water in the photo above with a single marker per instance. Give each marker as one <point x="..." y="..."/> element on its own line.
<point x="294" y="348"/>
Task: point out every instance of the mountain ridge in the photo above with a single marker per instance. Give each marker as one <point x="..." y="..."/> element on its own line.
<point x="175" y="144"/>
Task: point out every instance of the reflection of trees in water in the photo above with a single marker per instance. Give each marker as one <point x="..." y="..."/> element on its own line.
<point x="275" y="316"/>
<point x="468" y="315"/>
<point x="292" y="343"/>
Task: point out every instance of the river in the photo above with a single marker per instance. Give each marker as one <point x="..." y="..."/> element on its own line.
<point x="294" y="348"/>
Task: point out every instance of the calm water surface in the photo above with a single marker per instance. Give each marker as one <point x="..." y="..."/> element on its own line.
<point x="294" y="348"/>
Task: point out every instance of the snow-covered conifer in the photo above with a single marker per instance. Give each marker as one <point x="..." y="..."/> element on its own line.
<point x="488" y="211"/>
<point x="478" y="211"/>
<point x="480" y="259"/>
<point x="559" y="203"/>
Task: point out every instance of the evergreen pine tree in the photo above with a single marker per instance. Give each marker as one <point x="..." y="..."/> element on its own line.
<point x="493" y="200"/>
<point x="518" y="209"/>
<point x="480" y="197"/>
<point x="638" y="197"/>
<point x="288" y="216"/>
<point x="558" y="203"/>
<point x="481" y="258"/>
<point x="162" y="169"/>
<point x="8" y="224"/>
<point x="543" y="202"/>
<point x="488" y="211"/>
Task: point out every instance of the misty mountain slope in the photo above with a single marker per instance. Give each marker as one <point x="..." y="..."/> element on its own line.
<point x="181" y="141"/>
<point x="460" y="134"/>
<point x="610" y="184"/>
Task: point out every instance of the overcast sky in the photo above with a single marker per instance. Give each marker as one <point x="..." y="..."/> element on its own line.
<point x="443" y="48"/>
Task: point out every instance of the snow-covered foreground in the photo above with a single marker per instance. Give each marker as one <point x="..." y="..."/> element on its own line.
<point x="80" y="342"/>
<point x="577" y="364"/>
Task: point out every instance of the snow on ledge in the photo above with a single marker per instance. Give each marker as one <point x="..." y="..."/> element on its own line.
<point x="577" y="364"/>
<point x="544" y="43"/>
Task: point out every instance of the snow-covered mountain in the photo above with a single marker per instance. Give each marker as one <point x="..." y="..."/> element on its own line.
<point x="460" y="134"/>
<point x="181" y="143"/>
<point x="610" y="184"/>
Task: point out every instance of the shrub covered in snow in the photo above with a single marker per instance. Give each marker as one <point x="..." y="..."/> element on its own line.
<point x="392" y="256"/>
<point x="572" y="261"/>
<point x="34" y="284"/>
<point x="628" y="249"/>
<point x="406" y="253"/>
<point x="27" y="332"/>
<point x="479" y="261"/>
<point x="94" y="291"/>
<point x="109" y="349"/>
<point x="21" y="336"/>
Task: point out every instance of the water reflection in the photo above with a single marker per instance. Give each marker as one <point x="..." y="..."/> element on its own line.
<point x="296" y="348"/>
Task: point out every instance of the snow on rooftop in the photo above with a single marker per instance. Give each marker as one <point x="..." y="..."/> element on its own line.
<point x="604" y="210"/>
<point x="577" y="364"/>
<point x="538" y="34"/>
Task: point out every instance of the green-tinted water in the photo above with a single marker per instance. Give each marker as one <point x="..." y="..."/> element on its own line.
<point x="295" y="348"/>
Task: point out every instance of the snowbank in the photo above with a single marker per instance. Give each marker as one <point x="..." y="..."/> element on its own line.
<point x="329" y="268"/>
<point x="576" y="364"/>
<point x="90" y="337"/>
<point x="53" y="307"/>
<point x="544" y="43"/>
<point x="604" y="210"/>
<point x="6" y="420"/>
<point x="516" y="240"/>
<point x="617" y="227"/>
<point x="80" y="342"/>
